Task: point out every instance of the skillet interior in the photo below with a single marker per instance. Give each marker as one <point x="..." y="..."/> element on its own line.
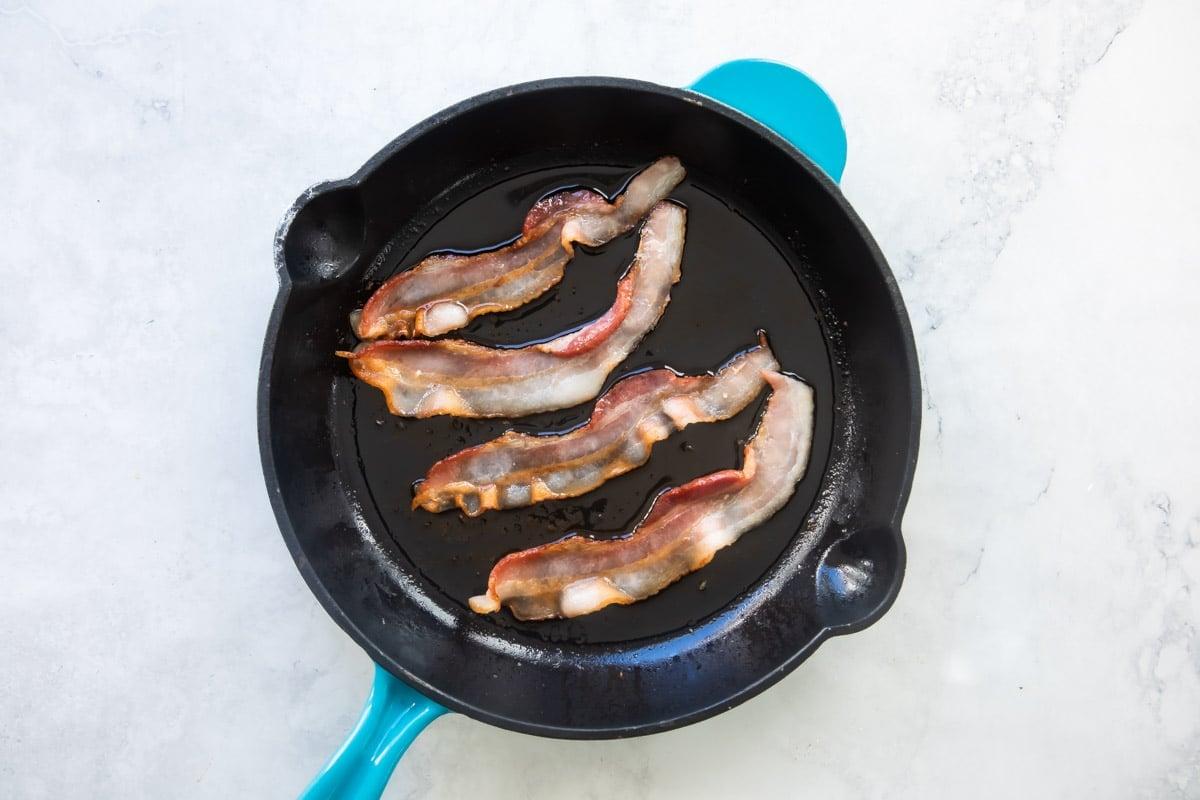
<point x="734" y="282"/>
<point x="770" y="243"/>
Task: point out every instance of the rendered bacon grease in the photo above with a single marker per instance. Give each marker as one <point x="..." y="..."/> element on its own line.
<point x="682" y="531"/>
<point x="422" y="378"/>
<point x="518" y="469"/>
<point x="445" y="291"/>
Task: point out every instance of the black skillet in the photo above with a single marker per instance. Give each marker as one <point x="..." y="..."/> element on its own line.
<point x="772" y="243"/>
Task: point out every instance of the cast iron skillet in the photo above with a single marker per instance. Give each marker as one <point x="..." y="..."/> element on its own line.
<point x="771" y="243"/>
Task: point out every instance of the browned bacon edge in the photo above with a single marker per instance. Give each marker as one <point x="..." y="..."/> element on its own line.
<point x="548" y="217"/>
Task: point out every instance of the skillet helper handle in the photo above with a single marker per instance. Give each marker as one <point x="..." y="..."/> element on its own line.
<point x="394" y="714"/>
<point x="785" y="100"/>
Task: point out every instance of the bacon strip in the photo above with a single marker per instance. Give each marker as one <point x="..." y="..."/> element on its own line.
<point x="445" y="291"/>
<point x="422" y="378"/>
<point x="518" y="469"/>
<point x="682" y="531"/>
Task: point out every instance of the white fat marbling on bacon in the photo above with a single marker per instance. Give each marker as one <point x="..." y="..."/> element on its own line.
<point x="445" y="291"/>
<point x="627" y="421"/>
<point x="683" y="530"/>
<point x="421" y="378"/>
<point x="435" y="319"/>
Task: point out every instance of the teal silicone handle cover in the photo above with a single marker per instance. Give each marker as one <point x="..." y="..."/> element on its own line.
<point x="394" y="714"/>
<point x="785" y="100"/>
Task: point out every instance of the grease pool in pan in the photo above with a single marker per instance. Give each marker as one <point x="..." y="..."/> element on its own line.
<point x="734" y="282"/>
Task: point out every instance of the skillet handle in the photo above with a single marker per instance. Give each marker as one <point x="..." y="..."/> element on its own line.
<point x="785" y="100"/>
<point x="394" y="714"/>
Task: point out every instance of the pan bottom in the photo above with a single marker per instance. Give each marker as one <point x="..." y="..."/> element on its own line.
<point x="735" y="280"/>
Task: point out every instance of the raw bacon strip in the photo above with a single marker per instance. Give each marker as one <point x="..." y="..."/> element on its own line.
<point x="682" y="531"/>
<point x="518" y="469"/>
<point x="445" y="292"/>
<point x="423" y="378"/>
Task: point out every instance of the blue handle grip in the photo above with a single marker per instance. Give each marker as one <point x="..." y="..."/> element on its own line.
<point x="395" y="713"/>
<point x="785" y="100"/>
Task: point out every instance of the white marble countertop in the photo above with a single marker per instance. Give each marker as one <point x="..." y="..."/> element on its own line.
<point x="1030" y="170"/>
